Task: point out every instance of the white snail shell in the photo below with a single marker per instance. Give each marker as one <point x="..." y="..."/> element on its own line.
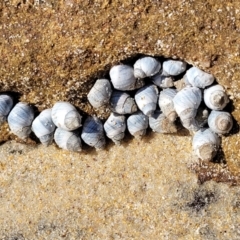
<point x="122" y="103"/>
<point x="6" y="104"/>
<point x="137" y="124"/>
<point x="205" y="144"/>
<point x="166" y="103"/>
<point x="100" y="93"/>
<point x="220" y="122"/>
<point x="174" y="67"/>
<point x="20" y="120"/>
<point x="43" y="127"/>
<point x="162" y="81"/>
<point x="198" y="78"/>
<point x="146" y="99"/>
<point x="159" y="123"/>
<point x="146" y="67"/>
<point x="68" y="140"/>
<point x="93" y="133"/>
<point x="66" y="116"/>
<point x="115" y="127"/>
<point x="215" y="97"/>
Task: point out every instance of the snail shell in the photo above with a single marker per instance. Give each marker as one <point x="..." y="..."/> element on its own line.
<point x="146" y="99"/>
<point x="100" y="93"/>
<point x="93" y="133"/>
<point x="66" y="116"/>
<point x="166" y="103"/>
<point x="20" y="120"/>
<point x="159" y="123"/>
<point x="6" y="104"/>
<point x="162" y="81"/>
<point x="215" y="97"/>
<point x="198" y="78"/>
<point x="137" y="124"/>
<point x="205" y="144"/>
<point x="68" y="140"/>
<point x="43" y="127"/>
<point x="122" y="78"/>
<point x="122" y="103"/>
<point x="220" y="122"/>
<point x="174" y="67"/>
<point x="115" y="127"/>
<point x="186" y="103"/>
<point x="146" y="67"/>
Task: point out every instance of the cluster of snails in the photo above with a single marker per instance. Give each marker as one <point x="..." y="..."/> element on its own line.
<point x="140" y="96"/>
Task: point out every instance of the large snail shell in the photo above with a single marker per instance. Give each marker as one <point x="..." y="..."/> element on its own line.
<point x="220" y="122"/>
<point x="146" y="99"/>
<point x="68" y="140"/>
<point x="137" y="124"/>
<point x="198" y="78"/>
<point x="158" y="122"/>
<point x="100" y="93"/>
<point x="205" y="144"/>
<point x="166" y="103"/>
<point x="6" y="104"/>
<point x="93" y="133"/>
<point x="43" y="127"/>
<point x="215" y="97"/>
<point x="174" y="67"/>
<point x="66" y="116"/>
<point x="122" y="103"/>
<point x="115" y="127"/>
<point x="146" y="67"/>
<point x="162" y="81"/>
<point x="20" y="120"/>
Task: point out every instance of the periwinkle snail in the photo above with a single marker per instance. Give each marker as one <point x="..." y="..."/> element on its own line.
<point x="173" y="67"/>
<point x="162" y="81"/>
<point x="6" y="104"/>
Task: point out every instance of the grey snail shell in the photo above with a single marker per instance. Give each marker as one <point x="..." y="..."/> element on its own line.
<point x="162" y="81"/>
<point x="174" y="67"/>
<point x="6" y="104"/>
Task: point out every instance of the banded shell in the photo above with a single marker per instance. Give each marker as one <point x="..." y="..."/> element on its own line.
<point x="220" y="122"/>
<point x="205" y="144"/>
<point x="198" y="78"/>
<point x="146" y="99"/>
<point x="174" y="67"/>
<point x="162" y="81"/>
<point x="115" y="127"/>
<point x="215" y="97"/>
<point x="6" y="104"/>
<point x="122" y="103"/>
<point x="66" y="116"/>
<point x="43" y="127"/>
<point x="68" y="140"/>
<point x="100" y="93"/>
<point x="20" y="120"/>
<point x="137" y="124"/>
<point x="166" y="103"/>
<point x="93" y="133"/>
<point x="146" y="67"/>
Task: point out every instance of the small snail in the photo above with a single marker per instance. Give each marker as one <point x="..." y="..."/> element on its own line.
<point x="215" y="97"/>
<point x="122" y="103"/>
<point x="205" y="144"/>
<point x="68" y="140"/>
<point x="93" y="133"/>
<point x="115" y="127"/>
<point x="100" y="93"/>
<point x="146" y="99"/>
<point x="137" y="124"/>
<point x="174" y="67"/>
<point x="6" y="104"/>
<point x="20" y="120"/>
<point x="146" y="67"/>
<point x="198" y="78"/>
<point x="66" y="116"/>
<point x="162" y="81"/>
<point x="220" y="122"/>
<point x="166" y="103"/>
<point x="159" y="123"/>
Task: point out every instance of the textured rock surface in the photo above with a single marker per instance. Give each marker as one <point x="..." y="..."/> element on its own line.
<point x="142" y="189"/>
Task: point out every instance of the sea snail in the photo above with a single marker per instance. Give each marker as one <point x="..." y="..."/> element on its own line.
<point x="162" y="81"/>
<point x="66" y="116"/>
<point x="100" y="93"/>
<point x="6" y="104"/>
<point x="205" y="144"/>
<point x="174" y="67"/>
<point x="20" y="119"/>
<point x="93" y="133"/>
<point x="43" y="127"/>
